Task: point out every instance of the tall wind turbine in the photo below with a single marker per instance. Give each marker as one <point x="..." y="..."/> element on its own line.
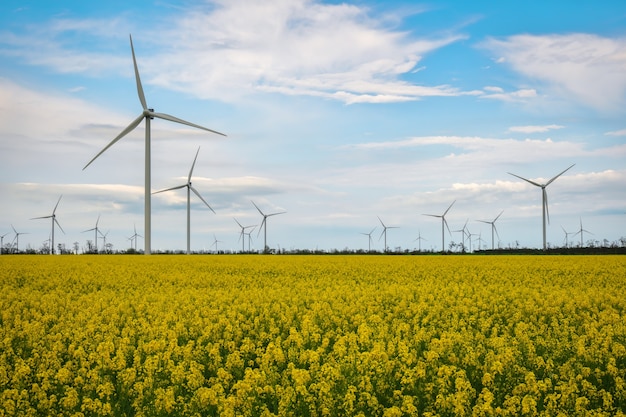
<point x="369" y="239"/>
<point x="189" y="190"/>
<point x="581" y="232"/>
<point x="493" y="227"/>
<point x="443" y="222"/>
<point x="544" y="198"/>
<point x="53" y="216"/>
<point x="147" y="115"/>
<point x="384" y="232"/>
<point x="242" y="235"/>
<point x="96" y="231"/>
<point x="264" y="224"/>
<point x="17" y="238"/>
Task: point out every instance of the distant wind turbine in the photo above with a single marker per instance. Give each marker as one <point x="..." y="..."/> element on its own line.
<point x="215" y="242"/>
<point x="249" y="234"/>
<point x="567" y="236"/>
<point x="493" y="228"/>
<point x="189" y="190"/>
<point x="443" y="223"/>
<point x="96" y="231"/>
<point x="264" y="224"/>
<point x="16" y="239"/>
<point x="134" y="237"/>
<point x="384" y="232"/>
<point x="2" y="242"/>
<point x="544" y="198"/>
<point x="242" y="235"/>
<point x="369" y="240"/>
<point x="147" y="115"/>
<point x="419" y="240"/>
<point x="581" y="232"/>
<point x="54" y="220"/>
<point x="463" y="232"/>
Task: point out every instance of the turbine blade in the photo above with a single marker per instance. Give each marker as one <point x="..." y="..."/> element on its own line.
<point x="261" y="227"/>
<point x="381" y="222"/>
<point x="128" y="129"/>
<point x="42" y="217"/>
<point x="58" y="224"/>
<point x="142" y="97"/>
<point x="275" y="214"/>
<point x="557" y="176"/>
<point x="498" y="216"/>
<point x="97" y="221"/>
<point x="193" y="165"/>
<point x="170" y="189"/>
<point x="262" y="214"/>
<point x="372" y="231"/>
<point x="447" y="227"/>
<point x="200" y="197"/>
<point x="432" y="215"/>
<point x="484" y="221"/>
<point x="496" y="230"/>
<point x="527" y="180"/>
<point x="57" y="205"/>
<point x="446" y="212"/>
<point x="239" y="224"/>
<point x="88" y="230"/>
<point x="184" y="122"/>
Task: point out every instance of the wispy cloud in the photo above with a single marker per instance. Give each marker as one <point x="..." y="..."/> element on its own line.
<point x="616" y="133"/>
<point x="534" y="129"/>
<point x="585" y="67"/>
<point x="498" y="93"/>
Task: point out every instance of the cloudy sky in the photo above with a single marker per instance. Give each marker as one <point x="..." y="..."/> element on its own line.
<point x="337" y="113"/>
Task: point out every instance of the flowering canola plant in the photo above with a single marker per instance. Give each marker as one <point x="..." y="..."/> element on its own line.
<point x="312" y="335"/>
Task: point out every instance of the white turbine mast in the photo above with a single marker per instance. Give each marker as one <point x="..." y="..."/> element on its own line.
<point x="190" y="188"/>
<point x="96" y="231"/>
<point x="2" y="242"/>
<point x="544" y="198"/>
<point x="134" y="237"/>
<point x="581" y="232"/>
<point x="493" y="228"/>
<point x="419" y="240"/>
<point x="242" y="235"/>
<point x="264" y="224"/>
<point x="54" y="220"/>
<point x="147" y="114"/>
<point x="17" y="238"/>
<point x="443" y="223"/>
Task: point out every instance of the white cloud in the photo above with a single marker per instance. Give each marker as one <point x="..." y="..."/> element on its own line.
<point x="585" y="67"/>
<point x="616" y="133"/>
<point x="534" y="129"/>
<point x="513" y="96"/>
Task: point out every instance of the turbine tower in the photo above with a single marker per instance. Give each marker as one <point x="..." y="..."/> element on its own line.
<point x="567" y="236"/>
<point x="419" y="240"/>
<point x="384" y="232"/>
<point x="242" y="236"/>
<point x="544" y="198"/>
<point x="2" y="242"/>
<point x="54" y="220"/>
<point x="96" y="231"/>
<point x="369" y="242"/>
<point x="264" y="225"/>
<point x="189" y="190"/>
<point x="493" y="227"/>
<point x="443" y="222"/>
<point x="147" y="115"/>
<point x="134" y="238"/>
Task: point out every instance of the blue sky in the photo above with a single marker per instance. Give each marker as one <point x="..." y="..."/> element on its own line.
<point x="338" y="113"/>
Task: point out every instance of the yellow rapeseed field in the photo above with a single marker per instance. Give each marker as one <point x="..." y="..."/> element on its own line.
<point x="312" y="335"/>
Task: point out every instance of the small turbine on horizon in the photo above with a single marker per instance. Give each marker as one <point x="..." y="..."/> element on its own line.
<point x="264" y="224"/>
<point x="95" y="233"/>
<point x="493" y="228"/>
<point x="134" y="238"/>
<point x="419" y="240"/>
<point x="443" y="222"/>
<point x="2" y="242"/>
<point x="53" y="216"/>
<point x="544" y="198"/>
<point x="147" y="114"/>
<point x="581" y="232"/>
<point x="369" y="240"/>
<point x="242" y="235"/>
<point x="189" y="190"/>
<point x="17" y="238"/>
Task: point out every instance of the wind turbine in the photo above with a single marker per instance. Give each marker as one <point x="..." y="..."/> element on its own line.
<point x="189" y="190"/>
<point x="369" y="243"/>
<point x="567" y="235"/>
<point x="104" y="240"/>
<point x="134" y="238"/>
<point x="264" y="224"/>
<point x="384" y="232"/>
<point x="95" y="233"/>
<point x="463" y="232"/>
<point x="493" y="227"/>
<point x="215" y="242"/>
<point x="544" y="198"/>
<point x="147" y="115"/>
<point x="419" y="240"/>
<point x="54" y="220"/>
<point x="250" y="236"/>
<point x="2" y="242"/>
<point x="581" y="232"/>
<point x="17" y="238"/>
<point x="443" y="222"/>
<point x="242" y="234"/>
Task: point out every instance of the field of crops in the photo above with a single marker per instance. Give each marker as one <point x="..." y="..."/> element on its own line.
<point x="312" y="335"/>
